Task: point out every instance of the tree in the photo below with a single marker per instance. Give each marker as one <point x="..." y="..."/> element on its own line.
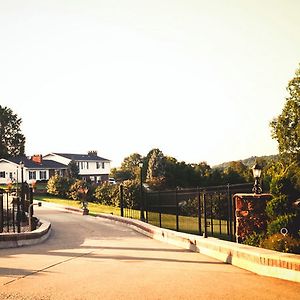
<point x="73" y="170"/>
<point x="156" y="164"/>
<point x="12" y="141"/>
<point x="130" y="166"/>
<point x="286" y="127"/>
<point x="156" y="170"/>
<point x="58" y="186"/>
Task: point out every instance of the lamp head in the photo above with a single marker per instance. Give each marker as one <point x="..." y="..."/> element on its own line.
<point x="256" y="169"/>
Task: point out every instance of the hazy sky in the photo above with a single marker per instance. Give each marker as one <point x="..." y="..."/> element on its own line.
<point x="200" y="80"/>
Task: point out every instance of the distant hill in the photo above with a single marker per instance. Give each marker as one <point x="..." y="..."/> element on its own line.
<point x="249" y="162"/>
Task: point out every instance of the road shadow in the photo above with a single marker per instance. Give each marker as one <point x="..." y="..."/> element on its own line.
<point x="71" y="231"/>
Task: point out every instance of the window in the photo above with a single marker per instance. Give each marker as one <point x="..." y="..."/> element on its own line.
<point x="81" y="165"/>
<point x="103" y="165"/>
<point x="2" y="174"/>
<point x="43" y="175"/>
<point x="97" y="165"/>
<point x="87" y="165"/>
<point x="32" y="175"/>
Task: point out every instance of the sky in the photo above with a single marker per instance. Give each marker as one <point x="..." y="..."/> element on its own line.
<point x="200" y="80"/>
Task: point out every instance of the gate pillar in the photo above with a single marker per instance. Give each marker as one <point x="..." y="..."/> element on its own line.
<point x="250" y="214"/>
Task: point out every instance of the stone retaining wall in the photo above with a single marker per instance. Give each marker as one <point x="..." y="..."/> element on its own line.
<point x="12" y="240"/>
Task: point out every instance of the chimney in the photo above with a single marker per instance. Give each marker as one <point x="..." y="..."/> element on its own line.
<point x="37" y="158"/>
<point x="92" y="153"/>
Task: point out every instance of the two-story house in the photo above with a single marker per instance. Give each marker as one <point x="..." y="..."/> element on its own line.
<point x="91" y="166"/>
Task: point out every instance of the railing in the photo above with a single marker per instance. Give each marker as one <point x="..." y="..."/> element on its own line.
<point x="207" y="211"/>
<point x="13" y="207"/>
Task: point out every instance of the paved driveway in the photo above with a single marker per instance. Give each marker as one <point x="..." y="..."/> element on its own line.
<point x="90" y="258"/>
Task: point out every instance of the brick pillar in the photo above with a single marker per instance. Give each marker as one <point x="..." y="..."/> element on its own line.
<point x="250" y="214"/>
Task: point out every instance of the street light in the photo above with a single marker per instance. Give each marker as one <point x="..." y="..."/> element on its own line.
<point x="256" y="169"/>
<point x="141" y="192"/>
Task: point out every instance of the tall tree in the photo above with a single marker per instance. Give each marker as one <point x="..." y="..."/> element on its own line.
<point x="156" y="164"/>
<point x="130" y="166"/>
<point x="12" y="141"/>
<point x="286" y="127"/>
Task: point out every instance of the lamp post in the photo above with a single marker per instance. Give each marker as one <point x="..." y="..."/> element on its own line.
<point x="256" y="169"/>
<point x="22" y="192"/>
<point x="142" y="217"/>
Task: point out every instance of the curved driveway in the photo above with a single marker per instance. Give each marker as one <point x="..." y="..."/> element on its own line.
<point x="92" y="258"/>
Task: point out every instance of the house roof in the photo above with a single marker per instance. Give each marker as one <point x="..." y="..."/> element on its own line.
<point x="83" y="157"/>
<point x="28" y="163"/>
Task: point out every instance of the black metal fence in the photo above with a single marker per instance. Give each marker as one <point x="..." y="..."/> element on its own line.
<point x="207" y="211"/>
<point x="14" y="205"/>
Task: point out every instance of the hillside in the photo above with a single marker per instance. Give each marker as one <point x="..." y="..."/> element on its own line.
<point x="249" y="162"/>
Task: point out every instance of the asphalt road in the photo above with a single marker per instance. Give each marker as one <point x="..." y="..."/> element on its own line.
<point x="91" y="258"/>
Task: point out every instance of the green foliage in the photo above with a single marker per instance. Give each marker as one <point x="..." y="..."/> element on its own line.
<point x="12" y="141"/>
<point x="156" y="165"/>
<point x="289" y="221"/>
<point x="58" y="186"/>
<point x="278" y="242"/>
<point x="130" y="167"/>
<point x="132" y="194"/>
<point x="107" y="194"/>
<point x="254" y="239"/>
<point x="78" y="190"/>
<point x="73" y="170"/>
<point x="278" y="206"/>
<point x="286" y="127"/>
<point x="121" y="175"/>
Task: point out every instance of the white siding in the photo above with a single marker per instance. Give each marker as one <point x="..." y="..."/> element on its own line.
<point x="90" y="167"/>
<point x="14" y="171"/>
<point x="10" y="169"/>
<point x="58" y="158"/>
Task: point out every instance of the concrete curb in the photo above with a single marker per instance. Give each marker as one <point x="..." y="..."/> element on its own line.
<point x="13" y="240"/>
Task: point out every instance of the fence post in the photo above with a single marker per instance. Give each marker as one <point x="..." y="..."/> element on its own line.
<point x="229" y="219"/>
<point x="121" y="200"/>
<point x="177" y="211"/>
<point x="159" y="207"/>
<point x="205" y="216"/>
<point x="146" y="204"/>
<point x="211" y="215"/>
<point x="30" y="211"/>
<point x="199" y="213"/>
<point x="233" y="234"/>
<point x="1" y="212"/>
<point x="18" y="217"/>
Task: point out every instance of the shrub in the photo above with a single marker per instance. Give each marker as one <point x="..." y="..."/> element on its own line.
<point x="78" y="190"/>
<point x="288" y="221"/>
<point x="107" y="194"/>
<point x="254" y="239"/>
<point x="58" y="186"/>
<point x="278" y="206"/>
<point x="279" y="242"/>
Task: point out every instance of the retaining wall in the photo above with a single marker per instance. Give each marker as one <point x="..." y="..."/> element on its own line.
<point x="12" y="240"/>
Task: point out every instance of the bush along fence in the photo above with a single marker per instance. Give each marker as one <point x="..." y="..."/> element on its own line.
<point x="14" y="204"/>
<point x="207" y="211"/>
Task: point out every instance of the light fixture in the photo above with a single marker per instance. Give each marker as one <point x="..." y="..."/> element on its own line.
<point x="256" y="169"/>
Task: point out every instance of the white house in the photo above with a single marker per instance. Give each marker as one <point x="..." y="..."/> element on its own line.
<point x="91" y="166"/>
<point x="11" y="169"/>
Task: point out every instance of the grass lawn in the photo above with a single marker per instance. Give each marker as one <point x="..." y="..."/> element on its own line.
<point x="94" y="208"/>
